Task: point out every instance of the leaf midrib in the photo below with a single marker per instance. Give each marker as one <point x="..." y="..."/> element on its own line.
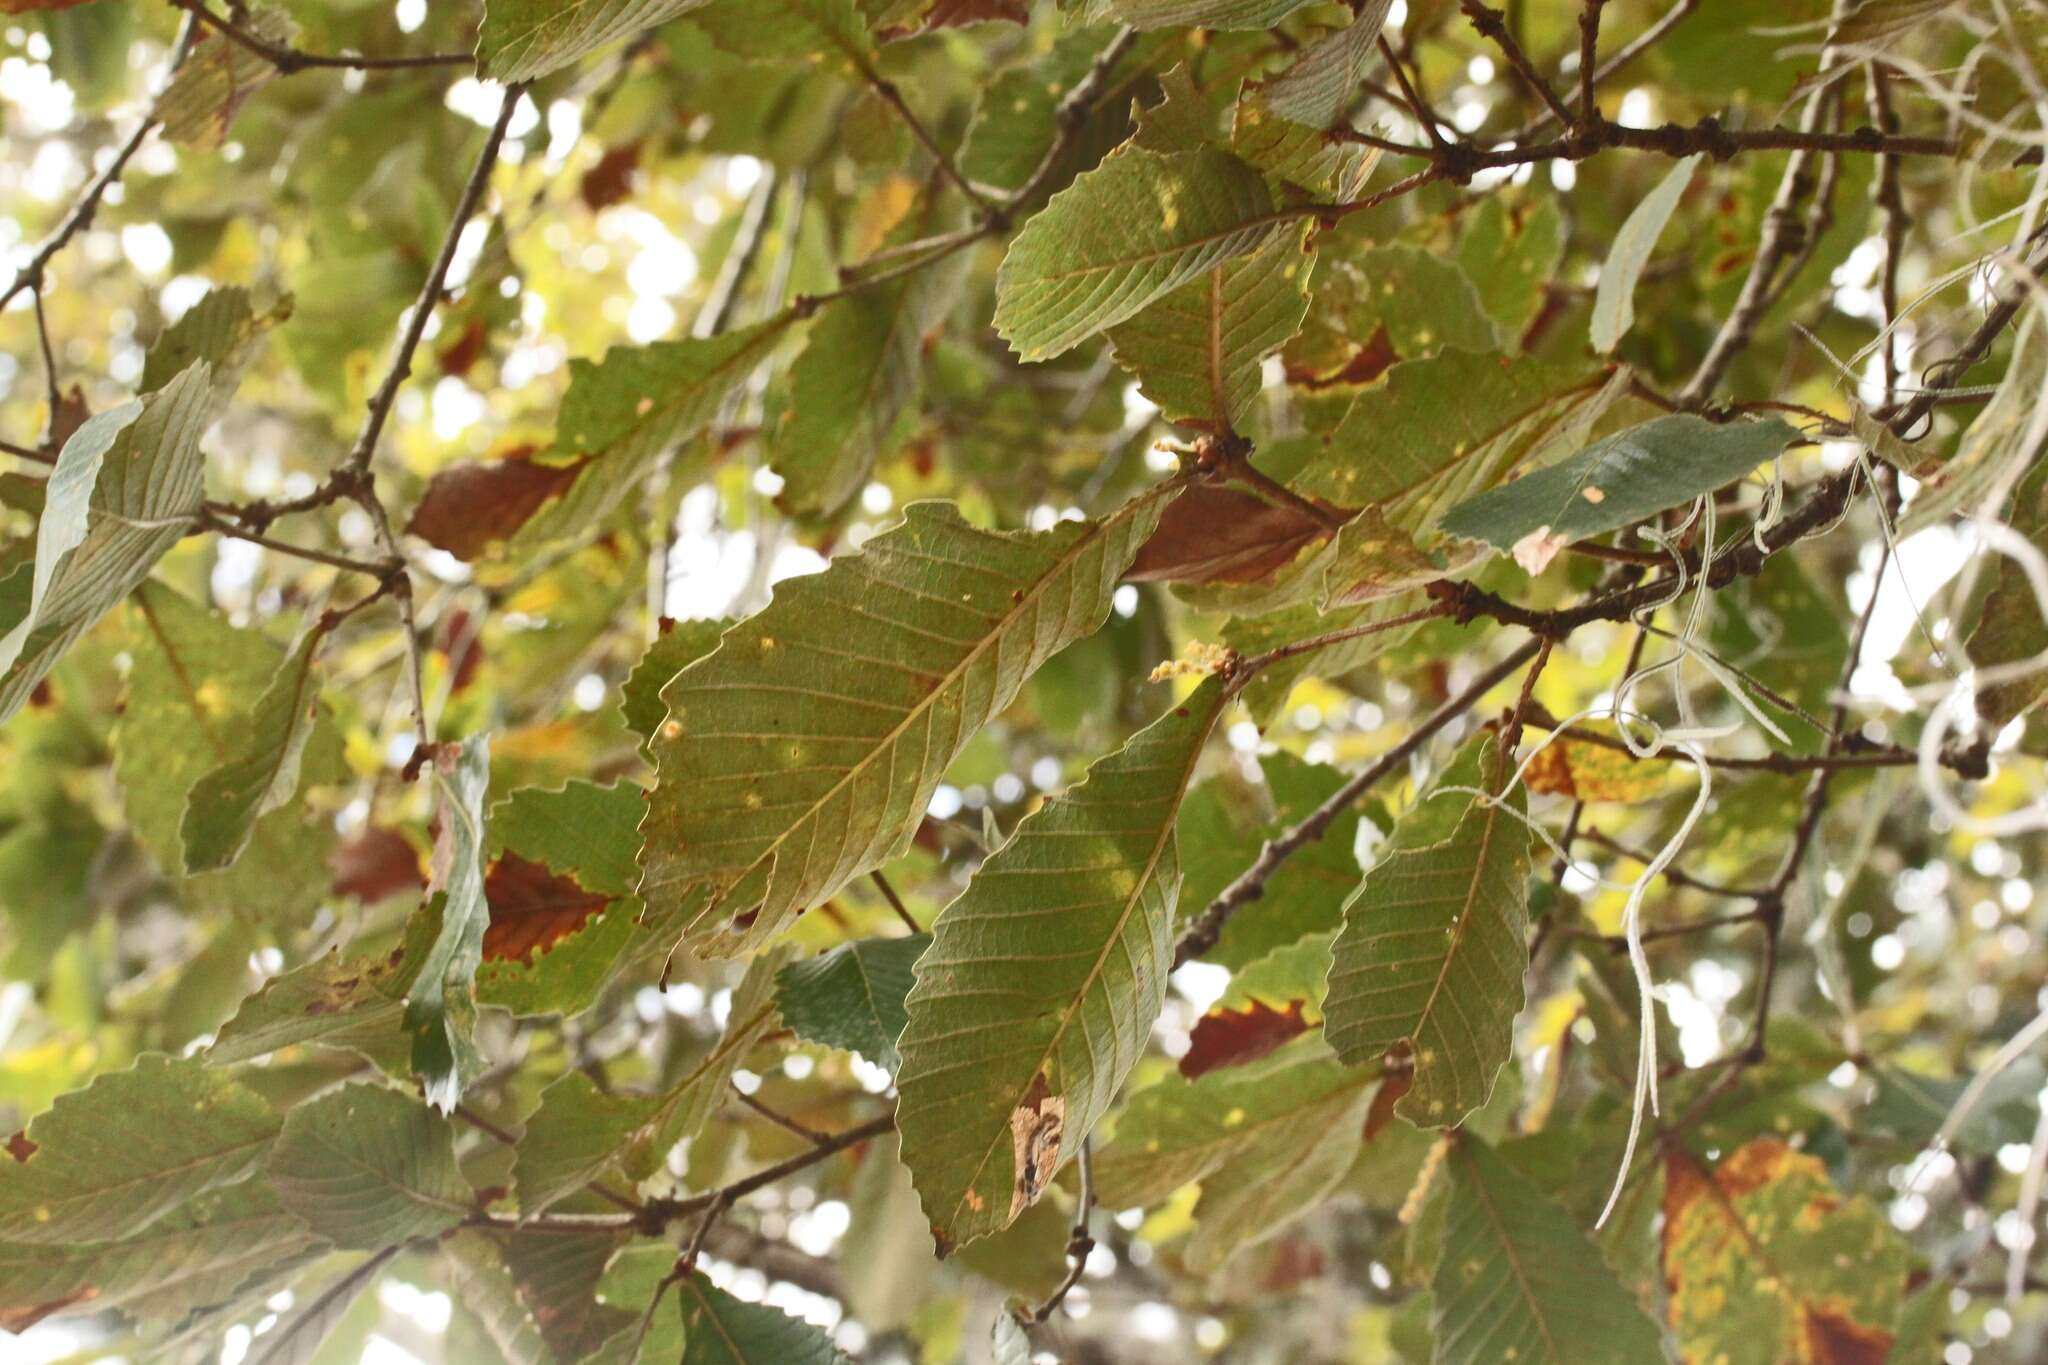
<point x="1507" y="1247"/>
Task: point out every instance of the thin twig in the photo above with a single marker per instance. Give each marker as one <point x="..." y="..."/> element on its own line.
<point x="1206" y="928"/>
<point x="30" y="276"/>
<point x="776" y="1116"/>
<point x="1492" y="24"/>
<point x="1589" y="71"/>
<point x="895" y="901"/>
<point x="288" y="60"/>
<point x="1417" y="109"/>
<point x="56" y="388"/>
<point x="1079" y="1243"/>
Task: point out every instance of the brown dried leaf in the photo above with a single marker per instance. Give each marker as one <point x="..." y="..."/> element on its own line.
<point x="1036" y="1127"/>
<point x="1212" y="534"/>
<point x="532" y="908"/>
<point x="1233" y="1037"/>
<point x="470" y="506"/>
<point x="375" y="864"/>
<point x="611" y="179"/>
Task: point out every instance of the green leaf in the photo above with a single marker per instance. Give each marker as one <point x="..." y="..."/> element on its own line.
<point x="191" y="1259"/>
<point x="1129" y="232"/>
<point x="1431" y="956"/>
<point x="624" y="414"/>
<point x="861" y="371"/>
<point x="440" y="1005"/>
<point x="1178" y="1131"/>
<point x="811" y="741"/>
<point x="194" y="680"/>
<point x="332" y="1001"/>
<point x="109" y="1160"/>
<point x="587" y="833"/>
<point x="1198" y="352"/>
<point x="1424" y="303"/>
<point x="680" y="644"/>
<point x="475" y="1269"/>
<point x="1043" y="979"/>
<point x="719" y="1329"/>
<point x="1433" y="427"/>
<point x="579" y="1132"/>
<point x="1323" y="81"/>
<point x="1298" y="154"/>
<point x="198" y="105"/>
<point x="1614" y="302"/>
<point x="1256" y="1195"/>
<point x="223" y="329"/>
<point x="1767" y="1262"/>
<point x="1518" y="1280"/>
<point x="522" y="39"/>
<point x="1016" y="121"/>
<point x="1204" y="13"/>
<point x="1510" y="259"/>
<point x="1619" y="481"/>
<point x="852" y="997"/>
<point x="261" y="770"/>
<point x="790" y="30"/>
<point x="366" y="1168"/>
<point x="62" y="526"/>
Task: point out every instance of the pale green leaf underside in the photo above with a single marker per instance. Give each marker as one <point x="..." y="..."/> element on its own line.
<point x="522" y="39"/>
<point x="1134" y="229"/>
<point x="1431" y="958"/>
<point x="114" y="1157"/>
<point x="367" y="1167"/>
<point x="1519" y="1281"/>
<point x="1324" y="79"/>
<point x="1614" y="302"/>
<point x="1198" y="351"/>
<point x="1619" y="481"/>
<point x="804" y="750"/>
<point x="440" y="1004"/>
<point x="1042" y="982"/>
<point x="120" y="508"/>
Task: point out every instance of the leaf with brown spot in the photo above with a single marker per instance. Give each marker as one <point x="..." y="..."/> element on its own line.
<point x="20" y="1147"/>
<point x="460" y="356"/>
<point x="532" y="908"/>
<point x="1212" y="534"/>
<point x="1595" y="772"/>
<point x="1232" y="1037"/>
<point x="470" y="506"/>
<point x="1768" y="1265"/>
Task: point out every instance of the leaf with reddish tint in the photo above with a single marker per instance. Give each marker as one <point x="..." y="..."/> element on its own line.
<point x="1232" y="1037"/>
<point x="460" y="356"/>
<point x="532" y="909"/>
<point x="375" y="864"/>
<point x="1212" y="534"/>
<point x="470" y="506"/>
<point x="1769" y="1265"/>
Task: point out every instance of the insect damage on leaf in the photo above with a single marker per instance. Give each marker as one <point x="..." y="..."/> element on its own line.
<point x="1036" y="1126"/>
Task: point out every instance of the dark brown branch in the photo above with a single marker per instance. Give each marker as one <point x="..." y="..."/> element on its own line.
<point x="895" y="901"/>
<point x="1203" y="932"/>
<point x="288" y="60"/>
<point x="1589" y="71"/>
<point x="1492" y="24"/>
<point x="776" y="1116"/>
<point x="893" y="97"/>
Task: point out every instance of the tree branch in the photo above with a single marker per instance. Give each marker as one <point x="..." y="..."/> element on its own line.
<point x="1206" y="928"/>
<point x="289" y="60"/>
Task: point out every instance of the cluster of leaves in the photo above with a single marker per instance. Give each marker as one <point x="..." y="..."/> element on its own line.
<point x="586" y="603"/>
